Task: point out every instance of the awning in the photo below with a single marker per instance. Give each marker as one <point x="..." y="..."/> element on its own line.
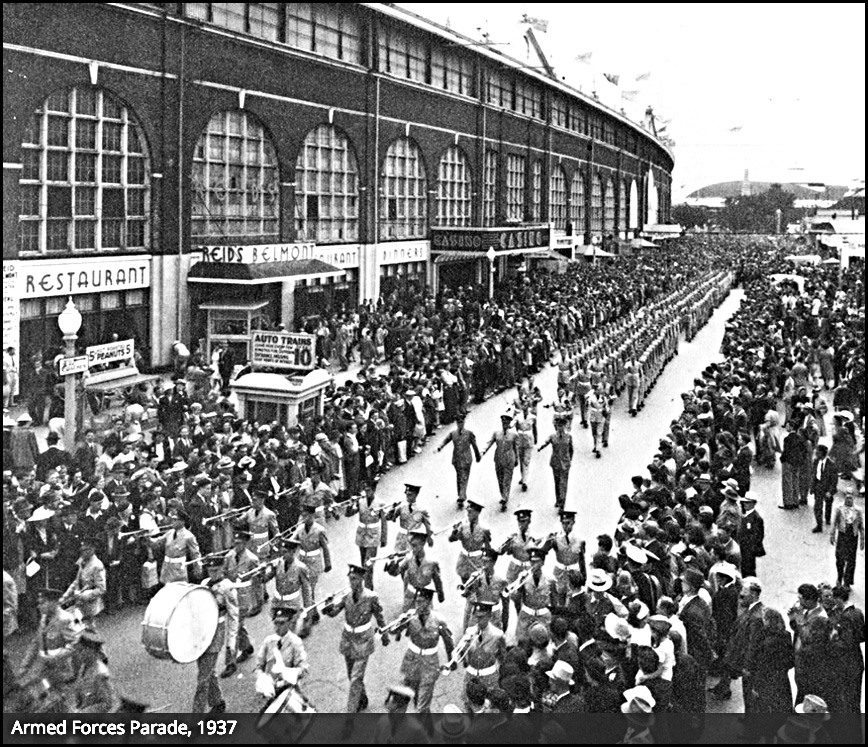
<point x="125" y="382"/>
<point x="441" y="257"/>
<point x="238" y="273"/>
<point x="548" y="254"/>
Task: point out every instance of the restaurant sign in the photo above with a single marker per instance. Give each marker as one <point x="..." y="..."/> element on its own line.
<point x="345" y="256"/>
<point x="481" y="239"/>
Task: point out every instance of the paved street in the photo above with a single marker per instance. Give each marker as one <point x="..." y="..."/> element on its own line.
<point x="794" y="554"/>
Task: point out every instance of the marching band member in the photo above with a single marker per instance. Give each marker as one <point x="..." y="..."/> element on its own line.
<point x="372" y="531"/>
<point x="179" y="543"/>
<point x="52" y="648"/>
<point x="417" y="571"/>
<point x="89" y="586"/>
<point x="486" y="647"/>
<point x="421" y="665"/>
<point x="314" y="550"/>
<point x="91" y="690"/>
<point x="535" y="596"/>
<point x="281" y="661"/>
<point x="474" y="539"/>
<point x="242" y="561"/>
<point x="517" y="546"/>
<point x="357" y="638"/>
<point x="487" y="585"/>
<point x="569" y="558"/>
<point x="291" y="578"/>
<point x="261" y="523"/>
<point x="410" y="517"/>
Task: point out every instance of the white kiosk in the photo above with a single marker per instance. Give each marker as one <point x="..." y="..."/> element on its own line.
<point x="286" y="399"/>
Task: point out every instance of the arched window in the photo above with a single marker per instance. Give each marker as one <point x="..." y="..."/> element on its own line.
<point x="652" y="200"/>
<point x="536" y="193"/>
<point x="634" y="205"/>
<point x="327" y="187"/>
<point x="623" y="206"/>
<point x="403" y="192"/>
<point x="558" y="198"/>
<point x="454" y="188"/>
<point x="609" y="209"/>
<point x="596" y="204"/>
<point x="236" y="187"/>
<point x="85" y="181"/>
<point x="515" y="168"/>
<point x="489" y="189"/>
<point x="577" y="203"/>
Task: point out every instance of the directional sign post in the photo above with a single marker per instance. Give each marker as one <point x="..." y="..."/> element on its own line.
<point x="75" y="365"/>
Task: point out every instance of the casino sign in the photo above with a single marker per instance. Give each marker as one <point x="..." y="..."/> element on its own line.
<point x="504" y="240"/>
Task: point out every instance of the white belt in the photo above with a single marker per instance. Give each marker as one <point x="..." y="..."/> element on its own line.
<point x="522" y="563"/>
<point x="360" y="629"/>
<point x="402" y="531"/>
<point x="175" y="560"/>
<point x="311" y="553"/>
<point x="243" y="584"/>
<point x="473" y="553"/>
<point x="370" y="526"/>
<point x="422" y="651"/>
<point x="536" y="613"/>
<point x="571" y="567"/>
<point x="474" y="672"/>
<point x="290" y="597"/>
<point x="260" y="535"/>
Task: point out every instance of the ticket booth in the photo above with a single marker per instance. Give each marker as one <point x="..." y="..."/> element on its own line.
<point x="268" y="397"/>
<point x="231" y="324"/>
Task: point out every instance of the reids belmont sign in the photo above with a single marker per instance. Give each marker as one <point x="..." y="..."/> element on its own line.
<point x="481" y="239"/>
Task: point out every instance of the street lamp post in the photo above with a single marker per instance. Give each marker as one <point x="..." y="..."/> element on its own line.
<point x="69" y="322"/>
<point x="491" y="254"/>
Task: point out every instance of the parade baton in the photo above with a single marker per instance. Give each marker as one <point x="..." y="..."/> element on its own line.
<point x="224" y="515"/>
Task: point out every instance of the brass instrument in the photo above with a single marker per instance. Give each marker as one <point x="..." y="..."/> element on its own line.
<point x="232" y="512"/>
<point x="223" y="554"/>
<point x="388" y="558"/>
<point x="398" y="625"/>
<point x="135" y="532"/>
<point x="505" y="546"/>
<point x="472" y="580"/>
<point x="516" y="585"/>
<point x="281" y="535"/>
<point x="254" y="571"/>
<point x="459" y="653"/>
<point x="454" y="527"/>
<point x="329" y="600"/>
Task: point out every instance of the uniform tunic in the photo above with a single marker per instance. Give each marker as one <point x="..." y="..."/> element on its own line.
<point x="487" y="589"/>
<point x="282" y="651"/>
<point x="314" y="550"/>
<point x="505" y="458"/>
<point x="560" y="461"/>
<point x="208" y="692"/>
<point x="421" y="665"/>
<point x="519" y="560"/>
<point x="180" y="546"/>
<point x="486" y="651"/>
<point x="418" y="574"/>
<point x="536" y="601"/>
<point x="262" y="525"/>
<point x="292" y="584"/>
<point x="410" y="517"/>
<point x="473" y="542"/>
<point x="464" y="449"/>
<point x="569" y="556"/>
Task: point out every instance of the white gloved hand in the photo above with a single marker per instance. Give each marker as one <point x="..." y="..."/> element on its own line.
<point x="264" y="685"/>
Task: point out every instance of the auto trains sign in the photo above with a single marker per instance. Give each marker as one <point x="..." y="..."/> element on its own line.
<point x="284" y="350"/>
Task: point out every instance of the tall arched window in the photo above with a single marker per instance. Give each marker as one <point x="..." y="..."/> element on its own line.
<point x="536" y="193"/>
<point x="609" y="207"/>
<point x="651" y="200"/>
<point x="403" y="192"/>
<point x="558" y="198"/>
<point x="454" y="188"/>
<point x="489" y="189"/>
<point x="623" y="206"/>
<point x="577" y="202"/>
<point x="327" y="187"/>
<point x="85" y="181"/>
<point x="236" y="187"/>
<point x="596" y="204"/>
<point x="634" y="205"/>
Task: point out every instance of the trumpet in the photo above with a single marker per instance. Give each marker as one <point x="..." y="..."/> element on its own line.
<point x="453" y="527"/>
<point x="209" y="555"/>
<point x="388" y="558"/>
<point x="460" y="652"/>
<point x="505" y="546"/>
<point x="255" y="571"/>
<point x="397" y="626"/>
<point x="471" y="581"/>
<point x="347" y="502"/>
<point x="232" y="512"/>
<point x="134" y="532"/>
<point x="282" y="534"/>
<point x="329" y="600"/>
<point x="515" y="585"/>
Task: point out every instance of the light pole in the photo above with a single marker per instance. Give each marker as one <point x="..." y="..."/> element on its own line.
<point x="491" y="254"/>
<point x="69" y="322"/>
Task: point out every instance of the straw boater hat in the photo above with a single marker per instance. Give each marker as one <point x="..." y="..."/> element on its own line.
<point x="599" y="580"/>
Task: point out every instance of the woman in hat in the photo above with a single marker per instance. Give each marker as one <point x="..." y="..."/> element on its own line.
<point x="772" y="663"/>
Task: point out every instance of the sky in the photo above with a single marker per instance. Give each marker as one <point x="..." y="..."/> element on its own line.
<point x="778" y="89"/>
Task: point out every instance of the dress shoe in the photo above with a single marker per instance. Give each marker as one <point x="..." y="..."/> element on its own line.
<point x="230" y="669"/>
<point x="363" y="703"/>
<point x="244" y="655"/>
<point x="817" y="530"/>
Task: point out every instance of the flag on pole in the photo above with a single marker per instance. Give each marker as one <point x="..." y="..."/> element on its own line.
<point x="613" y="79"/>
<point x="735" y="129"/>
<point x="539" y="24"/>
<point x="643" y="76"/>
<point x="585" y="58"/>
<point x="629" y="95"/>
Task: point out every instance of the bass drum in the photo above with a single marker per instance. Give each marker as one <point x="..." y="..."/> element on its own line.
<point x="180" y="622"/>
<point x="298" y="716"/>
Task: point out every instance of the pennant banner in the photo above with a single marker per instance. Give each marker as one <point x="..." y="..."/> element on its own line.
<point x="585" y="58"/>
<point x="643" y="76"/>
<point x="539" y="24"/>
<point x="613" y="79"/>
<point x="629" y="95"/>
<point x="735" y="129"/>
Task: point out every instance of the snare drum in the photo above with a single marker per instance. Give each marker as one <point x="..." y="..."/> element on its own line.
<point x="180" y="622"/>
<point x="288" y="701"/>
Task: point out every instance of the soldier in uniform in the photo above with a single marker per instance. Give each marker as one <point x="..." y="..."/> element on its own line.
<point x="535" y="597"/>
<point x="569" y="550"/>
<point x="517" y="546"/>
<point x="50" y="657"/>
<point x="487" y="586"/>
<point x="410" y="517"/>
<point x="421" y="665"/>
<point x="314" y="550"/>
<point x="474" y="539"/>
<point x="281" y="661"/>
<point x="417" y="571"/>
<point x="561" y="459"/>
<point x="91" y="690"/>
<point x="486" y="648"/>
<point x="505" y="456"/>
<point x="179" y="543"/>
<point x="357" y="639"/>
<point x="88" y="589"/>
<point x="372" y="531"/>
<point x="239" y="562"/>
<point x="464" y="449"/>
<point x="208" y="696"/>
<point x="291" y="578"/>
<point x="261" y="523"/>
<point x="581" y="387"/>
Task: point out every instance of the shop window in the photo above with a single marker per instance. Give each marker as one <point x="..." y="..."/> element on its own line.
<point x="135" y="297"/>
<point x="454" y="187"/>
<point x="31" y="308"/>
<point x="235" y="180"/>
<point x="515" y="168"/>
<point x="76" y="144"/>
<point x="577" y="202"/>
<point x="327" y="197"/>
<point x="403" y="192"/>
<point x="109" y="301"/>
<point x="558" y="198"/>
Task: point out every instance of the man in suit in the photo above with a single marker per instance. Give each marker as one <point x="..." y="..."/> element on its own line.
<point x="51" y="458"/>
<point x="751" y="534"/>
<point x="89" y="586"/>
<point x="183" y="445"/>
<point x="559" y="698"/>
<point x="172" y="407"/>
<point x="199" y="508"/>
<point x="824" y="485"/>
<point x="740" y="659"/>
<point x="696" y="616"/>
<point x="85" y="455"/>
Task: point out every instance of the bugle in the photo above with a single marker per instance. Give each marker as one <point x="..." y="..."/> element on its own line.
<point x="327" y="601"/>
<point x="209" y="555"/>
<point x="224" y="515"/>
<point x="397" y="626"/>
<point x="452" y="527"/>
<point x="474" y="578"/>
<point x="387" y="558"/>
<point x="459" y="653"/>
<point x="505" y="546"/>
<point x="515" y="585"/>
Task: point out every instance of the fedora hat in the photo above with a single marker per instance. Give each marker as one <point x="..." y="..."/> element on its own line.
<point x="561" y="671"/>
<point x="599" y="580"/>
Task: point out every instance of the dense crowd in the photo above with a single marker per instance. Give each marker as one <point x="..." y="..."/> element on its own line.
<point x="669" y="598"/>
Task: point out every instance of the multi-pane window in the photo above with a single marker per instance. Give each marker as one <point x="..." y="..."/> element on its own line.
<point x="578" y="119"/>
<point x="536" y="193"/>
<point x="489" y="189"/>
<point x="560" y="112"/>
<point x="499" y="89"/>
<point x="403" y="192"/>
<point x="236" y="187"/>
<point x="451" y="72"/>
<point x="327" y="188"/>
<point x="85" y="182"/>
<point x="596" y="204"/>
<point x="558" y="198"/>
<point x="528" y="99"/>
<point x="515" y="168"/>
<point x="577" y="202"/>
<point x="623" y="206"/>
<point x="324" y="29"/>
<point x="609" y="207"/>
<point x="454" y="187"/>
<point x="258" y="19"/>
<point x="609" y="132"/>
<point x="402" y="56"/>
